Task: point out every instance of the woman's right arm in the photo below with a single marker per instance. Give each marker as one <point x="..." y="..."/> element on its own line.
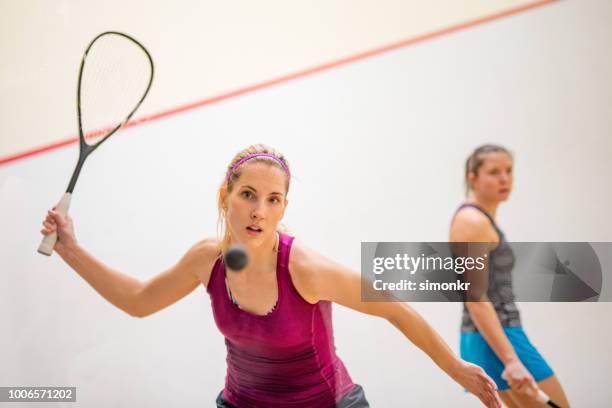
<point x="471" y="226"/>
<point x="131" y="295"/>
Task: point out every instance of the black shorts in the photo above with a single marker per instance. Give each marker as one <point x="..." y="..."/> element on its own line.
<point x="354" y="399"/>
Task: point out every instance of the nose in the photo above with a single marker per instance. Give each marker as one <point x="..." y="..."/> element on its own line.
<point x="257" y="212"/>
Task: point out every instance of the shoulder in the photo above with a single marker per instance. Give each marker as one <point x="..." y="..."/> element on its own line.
<point x="307" y="268"/>
<point x="205" y="249"/>
<point x="202" y="256"/>
<point x="303" y="260"/>
<point x="317" y="277"/>
<point x="471" y="225"/>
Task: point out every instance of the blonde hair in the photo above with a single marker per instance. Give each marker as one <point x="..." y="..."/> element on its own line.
<point x="232" y="174"/>
<point x="476" y="159"/>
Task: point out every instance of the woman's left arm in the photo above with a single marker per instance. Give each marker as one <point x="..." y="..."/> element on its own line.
<point x="318" y="278"/>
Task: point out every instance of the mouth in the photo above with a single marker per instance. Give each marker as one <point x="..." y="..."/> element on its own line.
<point x="254" y="230"/>
<point x="504" y="190"/>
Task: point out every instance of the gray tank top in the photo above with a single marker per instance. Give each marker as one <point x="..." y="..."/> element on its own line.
<point x="500" y="293"/>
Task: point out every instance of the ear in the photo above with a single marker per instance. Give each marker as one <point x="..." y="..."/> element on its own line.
<point x="471" y="179"/>
<point x="223" y="196"/>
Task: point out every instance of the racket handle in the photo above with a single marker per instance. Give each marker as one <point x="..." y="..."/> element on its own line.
<point x="48" y="242"/>
<point x="540" y="396"/>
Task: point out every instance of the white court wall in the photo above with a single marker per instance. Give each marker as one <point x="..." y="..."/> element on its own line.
<point x="377" y="148"/>
<point x="202" y="48"/>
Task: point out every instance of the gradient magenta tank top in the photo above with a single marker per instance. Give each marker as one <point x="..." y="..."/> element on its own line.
<point x="286" y="358"/>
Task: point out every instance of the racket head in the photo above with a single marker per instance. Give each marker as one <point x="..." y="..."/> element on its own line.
<point x="115" y="76"/>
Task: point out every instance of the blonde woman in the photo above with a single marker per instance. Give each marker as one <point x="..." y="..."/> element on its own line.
<point x="276" y="313"/>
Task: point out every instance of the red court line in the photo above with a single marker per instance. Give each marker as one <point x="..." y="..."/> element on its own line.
<point x="295" y="75"/>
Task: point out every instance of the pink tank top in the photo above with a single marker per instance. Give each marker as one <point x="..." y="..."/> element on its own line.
<point x="286" y="358"/>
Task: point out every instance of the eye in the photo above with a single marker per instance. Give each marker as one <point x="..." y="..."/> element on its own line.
<point x="247" y="194"/>
<point x="274" y="200"/>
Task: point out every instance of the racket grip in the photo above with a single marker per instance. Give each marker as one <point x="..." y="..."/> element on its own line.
<point x="48" y="242"/>
<point x="540" y="396"/>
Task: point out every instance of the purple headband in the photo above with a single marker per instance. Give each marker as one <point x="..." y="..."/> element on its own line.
<point x="231" y="172"/>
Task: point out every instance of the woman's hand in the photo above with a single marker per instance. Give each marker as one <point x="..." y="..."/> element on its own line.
<point x="55" y="222"/>
<point x="476" y="381"/>
<point x="520" y="379"/>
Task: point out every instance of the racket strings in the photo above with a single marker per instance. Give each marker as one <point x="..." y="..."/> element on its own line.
<point x="116" y="74"/>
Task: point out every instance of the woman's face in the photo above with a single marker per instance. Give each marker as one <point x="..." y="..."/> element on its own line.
<point x="493" y="181"/>
<point x="256" y="204"/>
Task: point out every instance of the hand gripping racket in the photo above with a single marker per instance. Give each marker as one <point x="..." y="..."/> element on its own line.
<point x="541" y="395"/>
<point x="114" y="78"/>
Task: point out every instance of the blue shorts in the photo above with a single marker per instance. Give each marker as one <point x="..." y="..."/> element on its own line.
<point x="475" y="349"/>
